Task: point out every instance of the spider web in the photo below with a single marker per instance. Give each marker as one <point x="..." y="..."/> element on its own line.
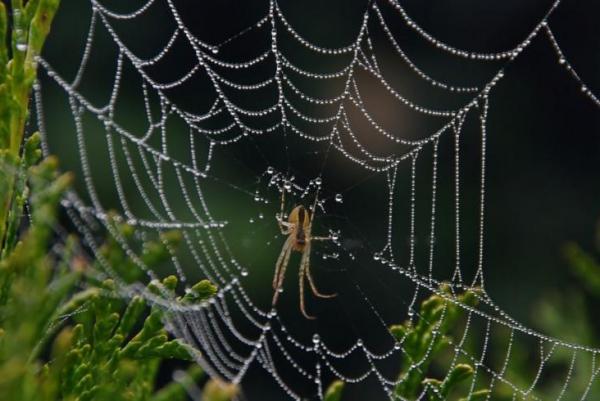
<point x="207" y="148"/>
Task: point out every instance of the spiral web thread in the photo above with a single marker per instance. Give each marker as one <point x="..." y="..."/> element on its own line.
<point x="226" y="351"/>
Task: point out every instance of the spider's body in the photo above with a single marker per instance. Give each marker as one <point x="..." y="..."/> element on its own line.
<point x="300" y="224"/>
<point x="298" y="229"/>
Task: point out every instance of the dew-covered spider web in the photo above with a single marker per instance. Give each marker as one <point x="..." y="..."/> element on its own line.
<point x="171" y="123"/>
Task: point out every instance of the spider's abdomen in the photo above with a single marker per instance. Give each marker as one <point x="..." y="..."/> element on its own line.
<point x="300" y="240"/>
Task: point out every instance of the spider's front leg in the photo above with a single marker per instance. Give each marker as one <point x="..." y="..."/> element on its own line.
<point x="301" y="288"/>
<point x="284" y="226"/>
<point x="280" y="266"/>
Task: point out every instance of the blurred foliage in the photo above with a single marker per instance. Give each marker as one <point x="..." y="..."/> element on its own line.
<point x="565" y="314"/>
<point x="422" y="342"/>
<point x="109" y="350"/>
<point x="334" y="391"/>
<point x="19" y="50"/>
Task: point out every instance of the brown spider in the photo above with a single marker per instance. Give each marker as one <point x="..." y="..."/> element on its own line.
<point x="298" y="228"/>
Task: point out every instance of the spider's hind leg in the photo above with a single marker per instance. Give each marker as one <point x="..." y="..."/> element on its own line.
<point x="305" y="265"/>
<point x="314" y="287"/>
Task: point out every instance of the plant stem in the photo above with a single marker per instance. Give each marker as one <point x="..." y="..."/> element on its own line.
<point x="30" y="27"/>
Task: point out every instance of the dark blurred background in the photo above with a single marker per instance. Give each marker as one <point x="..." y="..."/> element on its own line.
<point x="543" y="146"/>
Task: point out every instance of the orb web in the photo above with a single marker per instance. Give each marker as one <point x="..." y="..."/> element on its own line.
<point x="204" y="136"/>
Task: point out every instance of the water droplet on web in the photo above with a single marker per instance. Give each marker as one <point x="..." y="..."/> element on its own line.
<point x="261" y="216"/>
<point x="21" y="46"/>
<point x="270" y="170"/>
<point x="376" y="256"/>
<point x="251" y="221"/>
<point x="339" y="198"/>
<point x="318" y="181"/>
<point x="316" y="339"/>
<point x="244" y="272"/>
<point x="287" y="186"/>
<point x="359" y="342"/>
<point x="215" y="50"/>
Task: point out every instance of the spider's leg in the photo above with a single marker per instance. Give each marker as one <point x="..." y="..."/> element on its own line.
<point x="320" y="238"/>
<point x="284" y="250"/>
<point x="282" y="262"/>
<point x="312" y="219"/>
<point x="306" y="263"/>
<point x="284" y="265"/>
<point x="301" y="285"/>
<point x="284" y="226"/>
<point x="313" y="212"/>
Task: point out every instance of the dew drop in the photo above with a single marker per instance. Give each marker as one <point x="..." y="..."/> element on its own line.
<point x="21" y="47"/>
<point x="244" y="272"/>
<point x="270" y="170"/>
<point x="339" y="198"/>
<point x="316" y="339"/>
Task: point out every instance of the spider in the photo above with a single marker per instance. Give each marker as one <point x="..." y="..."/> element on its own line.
<point x="298" y="228"/>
